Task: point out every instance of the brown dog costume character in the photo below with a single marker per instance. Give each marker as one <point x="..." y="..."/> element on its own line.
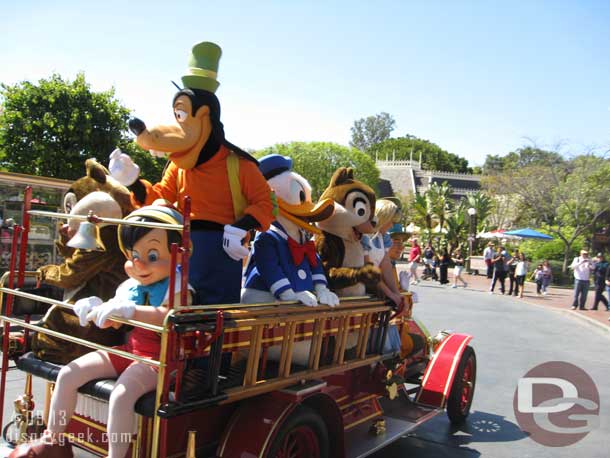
<point x="85" y="273"/>
<point x="339" y="245"/>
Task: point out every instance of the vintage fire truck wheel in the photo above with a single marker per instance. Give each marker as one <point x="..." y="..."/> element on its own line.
<point x="303" y="435"/>
<point x="34" y="430"/>
<point x="462" y="391"/>
<point x="10" y="433"/>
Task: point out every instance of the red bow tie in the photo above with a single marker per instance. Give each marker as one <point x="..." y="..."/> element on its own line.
<point x="300" y="251"/>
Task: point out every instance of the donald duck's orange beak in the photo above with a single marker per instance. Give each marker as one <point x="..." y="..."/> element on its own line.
<point x="307" y="213"/>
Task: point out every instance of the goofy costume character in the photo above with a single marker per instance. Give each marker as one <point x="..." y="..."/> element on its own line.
<point x="284" y="263"/>
<point x="229" y="195"/>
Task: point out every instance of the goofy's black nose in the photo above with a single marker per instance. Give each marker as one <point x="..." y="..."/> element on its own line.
<point x="136" y="126"/>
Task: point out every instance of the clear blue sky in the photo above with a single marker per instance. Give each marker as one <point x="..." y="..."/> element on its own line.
<point x="474" y="77"/>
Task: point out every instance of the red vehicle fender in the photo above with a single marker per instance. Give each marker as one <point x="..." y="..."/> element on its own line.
<point x="438" y="376"/>
<point x="256" y="422"/>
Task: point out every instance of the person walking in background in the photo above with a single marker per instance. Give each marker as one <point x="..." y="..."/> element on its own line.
<point x="538" y="276"/>
<point x="512" y="265"/>
<point x="488" y="255"/>
<point x="547" y="276"/>
<point x="520" y="273"/>
<point x="458" y="261"/>
<point x="499" y="263"/>
<point x="600" y="272"/>
<point x="414" y="258"/>
<point x="444" y="262"/>
<point x="582" y="267"/>
<point x="430" y="269"/>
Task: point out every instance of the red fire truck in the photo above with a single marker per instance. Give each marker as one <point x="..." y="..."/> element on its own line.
<point x="346" y="398"/>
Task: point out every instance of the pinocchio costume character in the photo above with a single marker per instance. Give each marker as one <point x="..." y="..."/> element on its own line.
<point x="144" y="297"/>
<point x="229" y="195"/>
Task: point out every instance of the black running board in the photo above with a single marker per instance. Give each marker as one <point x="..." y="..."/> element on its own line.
<point x="400" y="417"/>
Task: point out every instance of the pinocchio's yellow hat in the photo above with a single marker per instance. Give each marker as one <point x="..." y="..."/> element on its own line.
<point x="157" y="212"/>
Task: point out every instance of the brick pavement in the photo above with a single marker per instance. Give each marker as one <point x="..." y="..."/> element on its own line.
<point x="558" y="299"/>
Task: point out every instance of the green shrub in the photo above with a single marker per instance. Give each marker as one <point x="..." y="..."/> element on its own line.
<point x="551" y="250"/>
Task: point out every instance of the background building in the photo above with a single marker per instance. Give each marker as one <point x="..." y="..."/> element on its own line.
<point x="404" y="177"/>
<point x="47" y="194"/>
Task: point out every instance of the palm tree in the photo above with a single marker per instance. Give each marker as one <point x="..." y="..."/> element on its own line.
<point x="440" y="202"/>
<point x="456" y="227"/>
<point x="422" y="213"/>
<point x="483" y="204"/>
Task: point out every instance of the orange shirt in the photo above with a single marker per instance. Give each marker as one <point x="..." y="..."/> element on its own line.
<point x="208" y="186"/>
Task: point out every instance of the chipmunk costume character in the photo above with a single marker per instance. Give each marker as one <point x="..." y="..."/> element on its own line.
<point x="229" y="194"/>
<point x="85" y="273"/>
<point x="339" y="244"/>
<point x="284" y="263"/>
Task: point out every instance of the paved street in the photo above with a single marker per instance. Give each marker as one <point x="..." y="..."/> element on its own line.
<point x="511" y="336"/>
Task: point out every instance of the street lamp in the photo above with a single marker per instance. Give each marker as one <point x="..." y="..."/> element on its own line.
<point x="472" y="213"/>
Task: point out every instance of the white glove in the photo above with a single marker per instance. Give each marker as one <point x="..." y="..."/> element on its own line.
<point x="82" y="307"/>
<point x="288" y="295"/>
<point x="231" y="242"/>
<point x="122" y="168"/>
<point x="305" y="297"/>
<point x="325" y="295"/>
<point x="122" y="309"/>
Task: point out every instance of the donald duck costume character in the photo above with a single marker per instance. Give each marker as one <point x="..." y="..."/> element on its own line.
<point x="229" y="194"/>
<point x="284" y="264"/>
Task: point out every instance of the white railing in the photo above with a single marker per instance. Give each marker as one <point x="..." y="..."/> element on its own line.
<point x="456" y="175"/>
<point x="415" y="165"/>
<point x="398" y="164"/>
<point x="423" y="189"/>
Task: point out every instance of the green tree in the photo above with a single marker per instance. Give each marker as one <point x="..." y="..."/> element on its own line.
<point x="522" y="157"/>
<point x="50" y="128"/>
<point x="433" y="157"/>
<point x="370" y="131"/>
<point x="423" y="214"/>
<point x="565" y="197"/>
<point x="457" y="227"/>
<point x="440" y="202"/>
<point x="317" y="161"/>
<point x="483" y="205"/>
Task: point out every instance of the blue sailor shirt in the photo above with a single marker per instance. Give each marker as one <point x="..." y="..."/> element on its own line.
<point x="271" y="267"/>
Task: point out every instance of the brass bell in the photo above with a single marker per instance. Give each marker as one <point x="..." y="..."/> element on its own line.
<point x="87" y="238"/>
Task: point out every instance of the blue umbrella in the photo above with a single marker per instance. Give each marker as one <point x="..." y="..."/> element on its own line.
<point x="528" y="233"/>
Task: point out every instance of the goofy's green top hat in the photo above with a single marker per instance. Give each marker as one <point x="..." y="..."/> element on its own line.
<point x="203" y="67"/>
